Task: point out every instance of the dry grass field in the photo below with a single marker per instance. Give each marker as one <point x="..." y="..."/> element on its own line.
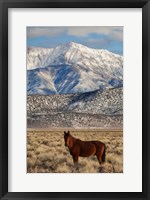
<point x="46" y="152"/>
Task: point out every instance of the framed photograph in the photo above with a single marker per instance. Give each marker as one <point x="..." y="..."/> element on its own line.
<point x="74" y="99"/>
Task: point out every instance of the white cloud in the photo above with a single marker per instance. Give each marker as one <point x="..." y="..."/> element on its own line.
<point x="44" y="31"/>
<point x="113" y="32"/>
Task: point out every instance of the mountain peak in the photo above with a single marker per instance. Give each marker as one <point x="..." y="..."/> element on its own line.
<point x="72" y="68"/>
<point x="74" y="44"/>
<point x="71" y="43"/>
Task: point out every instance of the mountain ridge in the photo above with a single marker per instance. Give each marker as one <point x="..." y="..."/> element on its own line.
<point x="92" y="109"/>
<point x="72" y="68"/>
<point x="40" y="51"/>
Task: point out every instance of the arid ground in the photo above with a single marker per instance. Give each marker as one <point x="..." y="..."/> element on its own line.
<point x="46" y="152"/>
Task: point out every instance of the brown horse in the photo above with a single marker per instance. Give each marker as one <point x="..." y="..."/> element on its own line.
<point x="81" y="148"/>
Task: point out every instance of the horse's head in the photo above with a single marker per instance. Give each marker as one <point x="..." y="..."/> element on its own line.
<point x="67" y="138"/>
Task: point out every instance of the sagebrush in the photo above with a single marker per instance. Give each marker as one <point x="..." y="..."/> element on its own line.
<point x="46" y="152"/>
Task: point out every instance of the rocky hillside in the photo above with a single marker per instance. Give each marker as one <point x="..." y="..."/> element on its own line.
<point x="103" y="109"/>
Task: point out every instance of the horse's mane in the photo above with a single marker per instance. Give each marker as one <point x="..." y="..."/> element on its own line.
<point x="74" y="138"/>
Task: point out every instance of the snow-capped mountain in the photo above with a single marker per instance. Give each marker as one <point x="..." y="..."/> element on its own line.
<point x="72" y="68"/>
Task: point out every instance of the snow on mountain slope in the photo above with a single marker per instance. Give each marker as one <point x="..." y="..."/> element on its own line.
<point x="91" y="109"/>
<point x="72" y="68"/>
<point x="40" y="82"/>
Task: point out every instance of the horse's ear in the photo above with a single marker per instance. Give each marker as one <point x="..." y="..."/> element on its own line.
<point x="64" y="132"/>
<point x="68" y="132"/>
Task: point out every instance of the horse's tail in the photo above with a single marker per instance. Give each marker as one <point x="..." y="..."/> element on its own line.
<point x="104" y="154"/>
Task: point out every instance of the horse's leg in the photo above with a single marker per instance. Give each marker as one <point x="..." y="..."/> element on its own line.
<point x="75" y="159"/>
<point x="99" y="156"/>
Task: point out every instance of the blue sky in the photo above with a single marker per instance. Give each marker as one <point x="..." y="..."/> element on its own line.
<point x="102" y="37"/>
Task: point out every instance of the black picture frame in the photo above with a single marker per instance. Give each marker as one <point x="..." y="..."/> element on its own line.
<point x="4" y="6"/>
